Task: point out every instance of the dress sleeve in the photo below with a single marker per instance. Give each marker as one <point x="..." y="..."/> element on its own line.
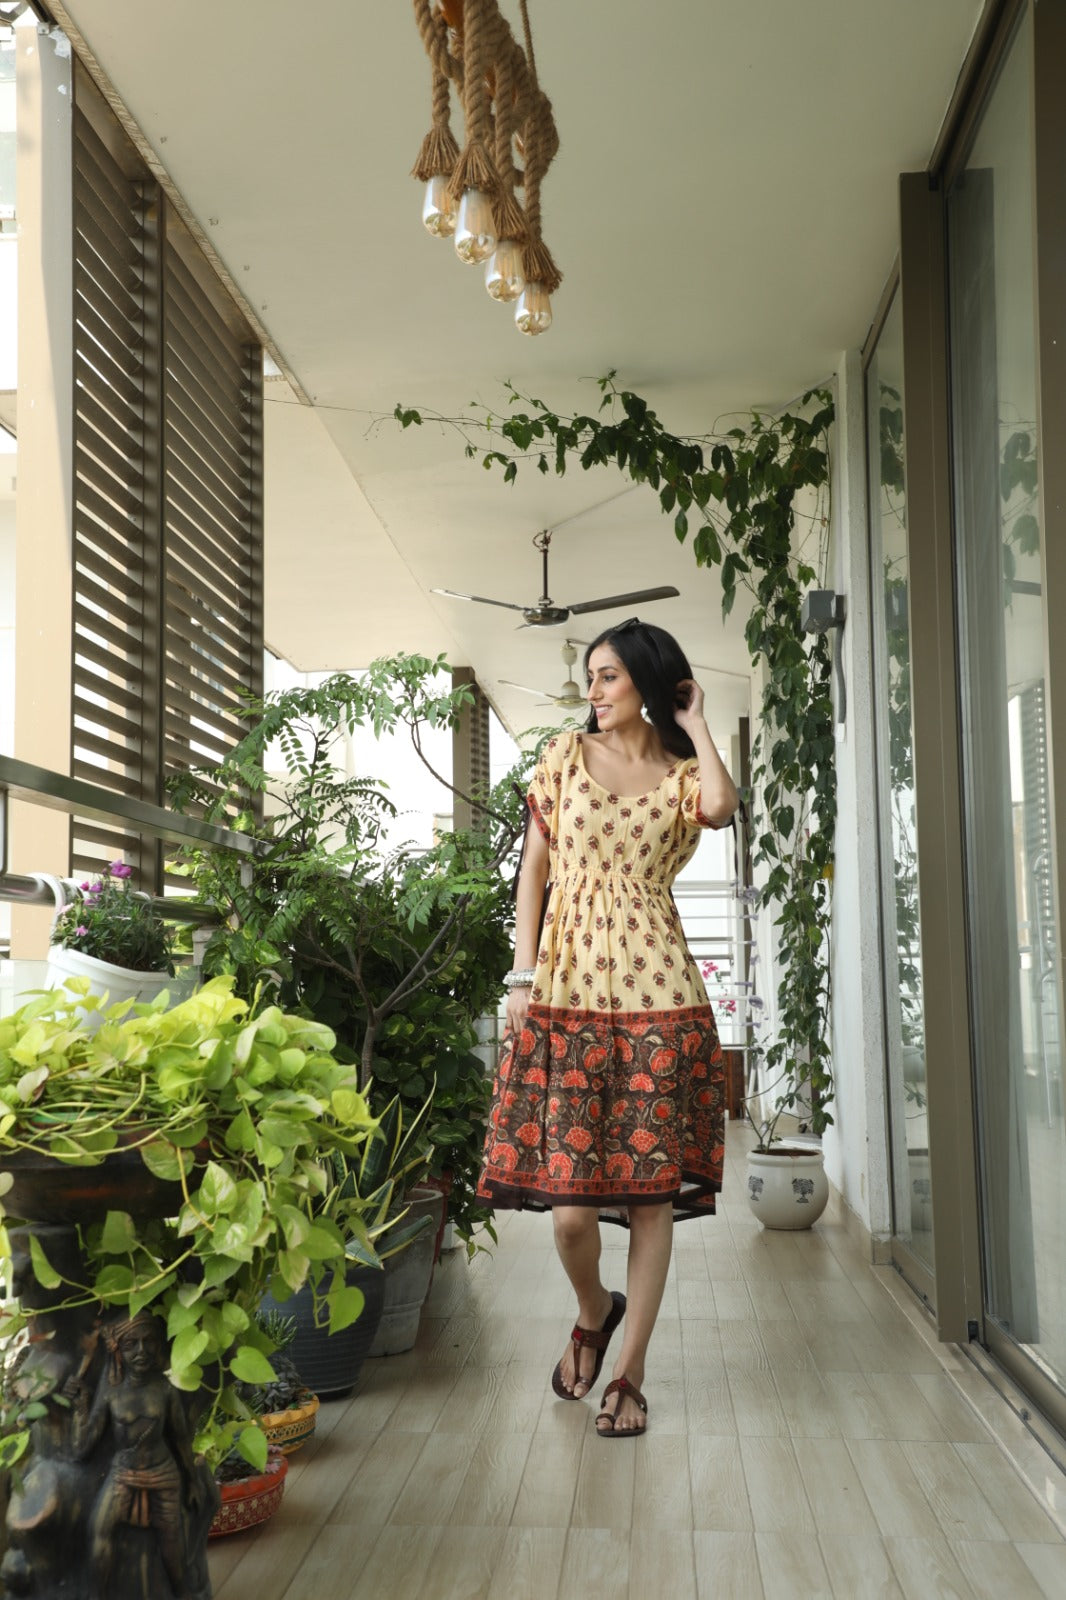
<point x="690" y="799"/>
<point x="542" y="797"/>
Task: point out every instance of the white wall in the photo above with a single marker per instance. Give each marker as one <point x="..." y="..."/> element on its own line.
<point x="855" y="1147"/>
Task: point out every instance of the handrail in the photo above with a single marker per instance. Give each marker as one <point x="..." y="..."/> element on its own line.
<point x="21" y="780"/>
<point x="23" y="890"/>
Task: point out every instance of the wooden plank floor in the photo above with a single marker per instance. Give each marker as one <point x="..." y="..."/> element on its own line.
<point x="805" y="1440"/>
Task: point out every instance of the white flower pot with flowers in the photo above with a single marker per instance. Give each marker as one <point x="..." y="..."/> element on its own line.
<point x="110" y="942"/>
<point x="786" y="1182"/>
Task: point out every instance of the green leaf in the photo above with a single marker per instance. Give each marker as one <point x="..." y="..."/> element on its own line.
<point x="118" y="1236"/>
<point x="188" y="1346"/>
<point x="113" y="1283"/>
<point x="164" y="1161"/>
<point x="345" y="1306"/>
<point x="217" y="1192"/>
<point x="251" y="1366"/>
<point x="43" y="1271"/>
<point x="252" y="1444"/>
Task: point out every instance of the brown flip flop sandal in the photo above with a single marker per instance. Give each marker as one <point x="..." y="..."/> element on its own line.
<point x="594" y="1339"/>
<point x="621" y="1386"/>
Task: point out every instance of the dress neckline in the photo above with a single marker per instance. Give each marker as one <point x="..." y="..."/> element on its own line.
<point x="614" y="792"/>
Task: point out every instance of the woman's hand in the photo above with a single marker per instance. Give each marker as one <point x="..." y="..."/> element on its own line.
<point x="688" y="713"/>
<point x="517" y="1007"/>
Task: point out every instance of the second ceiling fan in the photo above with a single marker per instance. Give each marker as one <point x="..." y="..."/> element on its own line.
<point x="546" y="614"/>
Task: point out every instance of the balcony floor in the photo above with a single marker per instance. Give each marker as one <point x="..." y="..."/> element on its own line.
<point x="806" y="1439"/>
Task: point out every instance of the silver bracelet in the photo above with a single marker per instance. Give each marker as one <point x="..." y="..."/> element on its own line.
<point x="519" y="979"/>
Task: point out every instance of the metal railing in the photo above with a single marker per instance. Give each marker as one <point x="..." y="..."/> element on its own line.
<point x="20" y="780"/>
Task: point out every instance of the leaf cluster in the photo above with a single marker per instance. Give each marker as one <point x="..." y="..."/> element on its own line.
<point x="399" y="952"/>
<point x="244" y="1112"/>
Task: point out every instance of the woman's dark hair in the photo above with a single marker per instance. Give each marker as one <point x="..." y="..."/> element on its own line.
<point x="657" y="664"/>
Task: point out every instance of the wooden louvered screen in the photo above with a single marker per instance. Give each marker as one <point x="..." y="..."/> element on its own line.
<point x="211" y="482"/>
<point x="167" y="493"/>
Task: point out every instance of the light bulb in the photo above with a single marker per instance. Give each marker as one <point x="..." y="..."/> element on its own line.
<point x="504" y="278"/>
<point x="533" y="313"/>
<point x="475" y="234"/>
<point x="438" y="208"/>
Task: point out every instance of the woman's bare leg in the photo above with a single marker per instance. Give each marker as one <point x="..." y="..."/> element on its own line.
<point x="577" y="1239"/>
<point x="651" y="1234"/>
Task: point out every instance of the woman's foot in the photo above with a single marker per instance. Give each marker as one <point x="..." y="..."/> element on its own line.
<point x="580" y="1365"/>
<point x="624" y="1411"/>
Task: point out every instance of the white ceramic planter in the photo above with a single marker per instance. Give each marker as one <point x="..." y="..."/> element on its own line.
<point x="787" y="1187"/>
<point x="118" y="983"/>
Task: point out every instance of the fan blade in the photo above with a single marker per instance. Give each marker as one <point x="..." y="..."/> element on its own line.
<point x="545" y="693"/>
<point x="453" y="594"/>
<point x="636" y="598"/>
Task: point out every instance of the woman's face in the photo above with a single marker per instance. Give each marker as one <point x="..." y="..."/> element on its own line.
<point x="612" y="693"/>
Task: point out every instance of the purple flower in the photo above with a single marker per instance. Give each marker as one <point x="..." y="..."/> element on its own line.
<point x="81" y="928"/>
<point x="119" y="869"/>
<point x="84" y="886"/>
<point x="96" y="888"/>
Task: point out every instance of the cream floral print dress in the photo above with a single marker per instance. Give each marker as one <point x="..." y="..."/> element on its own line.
<point x="612" y="1093"/>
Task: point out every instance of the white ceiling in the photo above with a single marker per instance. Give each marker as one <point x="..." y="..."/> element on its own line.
<point x="723" y="207"/>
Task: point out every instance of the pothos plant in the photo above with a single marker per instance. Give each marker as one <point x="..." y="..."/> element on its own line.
<point x="399" y="951"/>
<point x="243" y="1113"/>
<point x="736" y="497"/>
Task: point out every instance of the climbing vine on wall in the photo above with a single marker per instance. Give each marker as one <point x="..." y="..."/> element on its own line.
<point x="734" y="497"/>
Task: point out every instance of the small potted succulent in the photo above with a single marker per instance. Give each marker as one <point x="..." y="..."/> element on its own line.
<point x="285" y="1409"/>
<point x="111" y="939"/>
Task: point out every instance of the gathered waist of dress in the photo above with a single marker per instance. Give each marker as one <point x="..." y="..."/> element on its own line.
<point x="586" y="877"/>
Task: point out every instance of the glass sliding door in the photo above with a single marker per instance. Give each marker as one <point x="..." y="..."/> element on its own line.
<point x="1008" y="834"/>
<point x="897" y="833"/>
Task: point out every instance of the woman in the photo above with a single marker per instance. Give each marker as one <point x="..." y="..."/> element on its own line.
<point x="608" y="1100"/>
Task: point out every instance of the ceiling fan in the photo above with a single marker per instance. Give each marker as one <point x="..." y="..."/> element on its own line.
<point x="571" y="696"/>
<point x="544" y="613"/>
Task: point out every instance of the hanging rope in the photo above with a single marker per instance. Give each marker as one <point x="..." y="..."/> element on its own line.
<point x="439" y="151"/>
<point x="470" y="45"/>
<point x="510" y="221"/>
<point x="475" y="168"/>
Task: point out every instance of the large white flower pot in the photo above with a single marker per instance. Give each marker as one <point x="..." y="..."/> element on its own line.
<point x="118" y="983"/>
<point x="787" y="1186"/>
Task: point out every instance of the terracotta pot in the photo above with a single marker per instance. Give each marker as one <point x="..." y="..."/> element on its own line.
<point x="290" y="1429"/>
<point x="251" y="1500"/>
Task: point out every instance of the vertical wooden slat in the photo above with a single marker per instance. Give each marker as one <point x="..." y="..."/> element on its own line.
<point x="153" y="458"/>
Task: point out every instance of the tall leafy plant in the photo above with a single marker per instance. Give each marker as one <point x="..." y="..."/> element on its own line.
<point x="736" y="497"/>
<point x="399" y="952"/>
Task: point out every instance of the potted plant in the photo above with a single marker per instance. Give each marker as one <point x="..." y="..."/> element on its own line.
<point x="167" y="1168"/>
<point x="248" y="1495"/>
<point x="786" y="1182"/>
<point x="400" y="953"/>
<point x="286" y="1408"/>
<point x="112" y="940"/>
<point x="367" y="1201"/>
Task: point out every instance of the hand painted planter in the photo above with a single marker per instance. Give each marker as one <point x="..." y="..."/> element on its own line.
<point x="290" y="1429"/>
<point x="251" y="1500"/>
<point x="787" y="1186"/>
